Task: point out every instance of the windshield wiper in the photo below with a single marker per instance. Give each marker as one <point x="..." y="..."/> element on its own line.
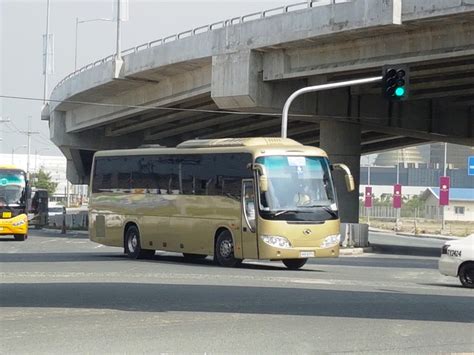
<point x="326" y="208"/>
<point x="277" y="213"/>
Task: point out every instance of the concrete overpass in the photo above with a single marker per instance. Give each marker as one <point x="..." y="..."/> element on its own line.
<point x="231" y="78"/>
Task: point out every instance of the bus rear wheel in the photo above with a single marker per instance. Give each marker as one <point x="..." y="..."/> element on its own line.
<point x="132" y="245"/>
<point x="294" y="264"/>
<point x="20" y="237"/>
<point x="224" y="250"/>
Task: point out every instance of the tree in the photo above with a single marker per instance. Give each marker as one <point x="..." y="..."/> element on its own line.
<point x="413" y="205"/>
<point x="42" y="180"/>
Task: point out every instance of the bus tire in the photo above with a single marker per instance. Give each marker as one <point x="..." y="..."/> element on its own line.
<point x="133" y="247"/>
<point x="20" y="237"/>
<point x="191" y="256"/>
<point x="466" y="275"/>
<point x="294" y="264"/>
<point x="224" y="250"/>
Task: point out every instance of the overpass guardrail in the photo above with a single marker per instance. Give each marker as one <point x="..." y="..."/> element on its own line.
<point x="207" y="28"/>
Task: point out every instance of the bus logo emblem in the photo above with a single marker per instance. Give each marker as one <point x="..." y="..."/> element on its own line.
<point x="307" y="232"/>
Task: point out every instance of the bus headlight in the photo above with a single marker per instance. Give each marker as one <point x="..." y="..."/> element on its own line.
<point x="331" y="240"/>
<point x="19" y="223"/>
<point x="276" y="241"/>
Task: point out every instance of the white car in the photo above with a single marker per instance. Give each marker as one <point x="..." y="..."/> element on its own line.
<point x="457" y="259"/>
<point x="55" y="210"/>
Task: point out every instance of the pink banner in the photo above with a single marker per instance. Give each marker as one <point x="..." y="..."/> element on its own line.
<point x="397" y="196"/>
<point x="444" y="190"/>
<point x="368" y="196"/>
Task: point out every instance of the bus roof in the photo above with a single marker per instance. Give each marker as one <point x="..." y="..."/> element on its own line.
<point x="222" y="145"/>
<point x="10" y="167"/>
<point x="237" y="142"/>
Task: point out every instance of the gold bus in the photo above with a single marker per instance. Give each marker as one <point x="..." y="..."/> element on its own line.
<point x="13" y="202"/>
<point x="235" y="199"/>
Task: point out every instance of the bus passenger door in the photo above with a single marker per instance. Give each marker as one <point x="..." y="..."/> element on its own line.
<point x="249" y="220"/>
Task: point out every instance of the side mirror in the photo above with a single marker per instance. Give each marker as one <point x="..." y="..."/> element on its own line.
<point x="262" y="179"/>
<point x="263" y="183"/>
<point x="350" y="185"/>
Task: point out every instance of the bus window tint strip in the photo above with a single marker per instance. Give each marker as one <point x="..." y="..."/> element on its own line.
<point x="190" y="174"/>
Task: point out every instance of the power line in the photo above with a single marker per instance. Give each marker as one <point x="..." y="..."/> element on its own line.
<point x="243" y="113"/>
<point x="149" y="107"/>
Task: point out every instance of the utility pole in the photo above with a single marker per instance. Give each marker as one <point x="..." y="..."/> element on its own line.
<point x="46" y="45"/>
<point x="28" y="133"/>
<point x="3" y="120"/>
<point x="118" y="62"/>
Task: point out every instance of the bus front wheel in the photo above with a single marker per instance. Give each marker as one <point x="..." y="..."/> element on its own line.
<point x="224" y="250"/>
<point x="133" y="247"/>
<point x="20" y="237"/>
<point x="294" y="264"/>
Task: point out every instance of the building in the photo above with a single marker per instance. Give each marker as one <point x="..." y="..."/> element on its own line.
<point x="456" y="155"/>
<point x="461" y="204"/>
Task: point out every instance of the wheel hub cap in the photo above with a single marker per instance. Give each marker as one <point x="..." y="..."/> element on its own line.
<point x="226" y="248"/>
<point x="132" y="243"/>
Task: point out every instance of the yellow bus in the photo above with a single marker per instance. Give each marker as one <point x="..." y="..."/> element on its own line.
<point x="13" y="203"/>
<point x="234" y="198"/>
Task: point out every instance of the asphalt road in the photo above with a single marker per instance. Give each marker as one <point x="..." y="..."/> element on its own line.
<point x="402" y="245"/>
<point x="68" y="295"/>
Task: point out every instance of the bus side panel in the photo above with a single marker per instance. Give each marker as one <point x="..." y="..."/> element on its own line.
<point x="153" y="211"/>
<point x="198" y="218"/>
<point x="107" y="215"/>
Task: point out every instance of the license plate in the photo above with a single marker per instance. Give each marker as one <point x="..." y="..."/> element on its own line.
<point x="306" y="254"/>
<point x="7" y="215"/>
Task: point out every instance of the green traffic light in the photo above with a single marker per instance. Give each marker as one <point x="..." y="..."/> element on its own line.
<point x="399" y="92"/>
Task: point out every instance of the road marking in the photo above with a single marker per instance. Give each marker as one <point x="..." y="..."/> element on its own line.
<point x="308" y="281"/>
<point x="49" y="241"/>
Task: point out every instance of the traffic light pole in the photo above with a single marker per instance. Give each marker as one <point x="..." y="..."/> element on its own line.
<point x="286" y="107"/>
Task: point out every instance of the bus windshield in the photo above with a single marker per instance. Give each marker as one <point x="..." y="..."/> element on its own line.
<point x="12" y="188"/>
<point x="297" y="184"/>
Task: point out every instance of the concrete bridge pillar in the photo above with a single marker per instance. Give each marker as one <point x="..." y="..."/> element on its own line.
<point x="342" y="142"/>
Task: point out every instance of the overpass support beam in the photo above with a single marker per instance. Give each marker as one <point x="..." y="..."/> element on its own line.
<point x="237" y="84"/>
<point x="342" y="143"/>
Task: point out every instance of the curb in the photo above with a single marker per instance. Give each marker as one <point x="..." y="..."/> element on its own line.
<point x="433" y="236"/>
<point x="355" y="251"/>
<point x="413" y="235"/>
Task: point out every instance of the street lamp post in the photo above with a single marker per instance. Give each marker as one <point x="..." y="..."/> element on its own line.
<point x="368" y="184"/>
<point x="77" y="27"/>
<point x="443" y="208"/>
<point x="15" y="149"/>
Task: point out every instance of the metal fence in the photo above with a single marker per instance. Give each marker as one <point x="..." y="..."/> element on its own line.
<point x="388" y="212"/>
<point x="206" y="28"/>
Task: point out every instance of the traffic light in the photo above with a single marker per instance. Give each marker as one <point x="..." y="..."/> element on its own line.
<point x="395" y="82"/>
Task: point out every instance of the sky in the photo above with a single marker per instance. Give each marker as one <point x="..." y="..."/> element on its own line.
<point x="23" y="23"/>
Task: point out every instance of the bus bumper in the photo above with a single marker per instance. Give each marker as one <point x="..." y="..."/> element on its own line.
<point x="274" y="253"/>
<point x="15" y="225"/>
